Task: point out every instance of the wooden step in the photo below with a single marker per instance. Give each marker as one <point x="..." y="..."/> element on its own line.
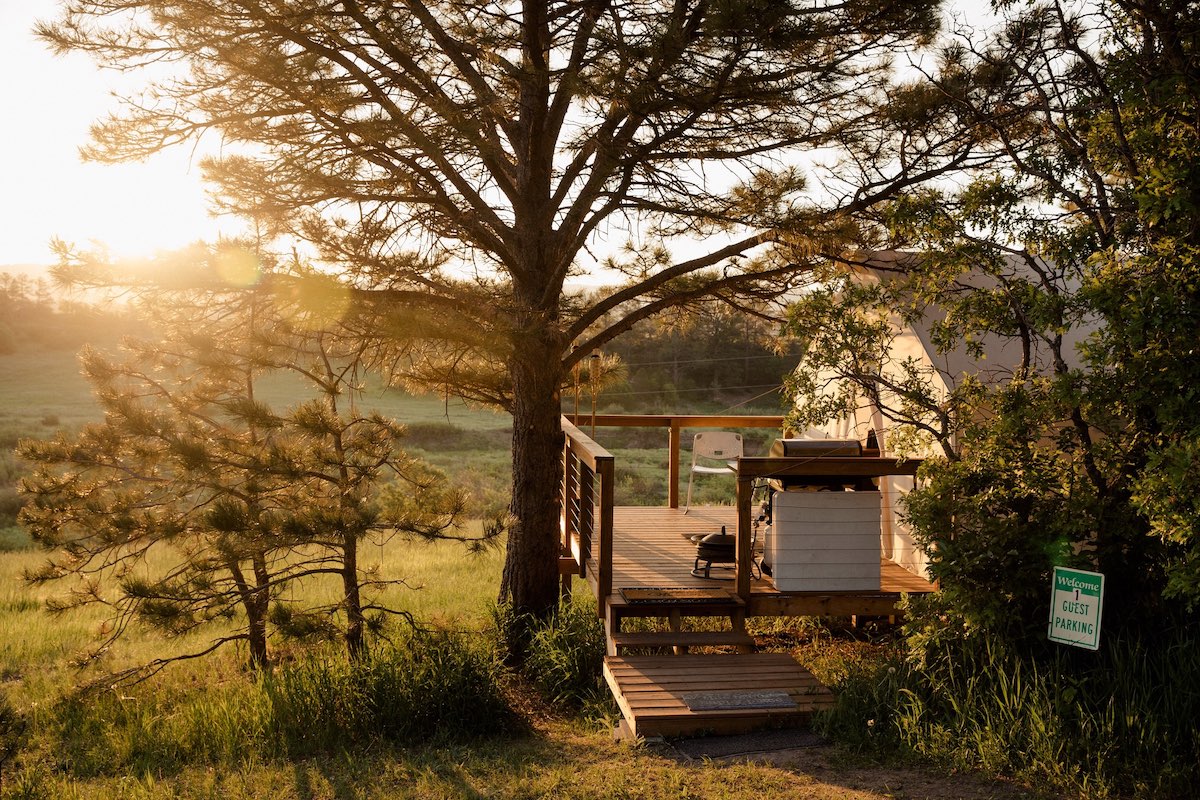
<point x="718" y="605"/>
<point x="682" y="639"/>
<point x="691" y="694"/>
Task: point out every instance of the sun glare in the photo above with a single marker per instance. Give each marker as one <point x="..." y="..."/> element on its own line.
<point x="137" y="210"/>
<point x="133" y="210"/>
<point x="315" y="301"/>
<point x="238" y="267"/>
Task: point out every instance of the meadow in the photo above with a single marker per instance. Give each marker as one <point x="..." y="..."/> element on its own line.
<point x="318" y="728"/>
<point x="436" y="711"/>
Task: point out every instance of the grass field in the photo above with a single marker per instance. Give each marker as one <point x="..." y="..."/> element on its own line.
<point x="204" y="729"/>
<point x="444" y="586"/>
<point x="41" y="386"/>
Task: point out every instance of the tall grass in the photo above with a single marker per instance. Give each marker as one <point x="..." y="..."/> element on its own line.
<point x="443" y="585"/>
<point x="1118" y="723"/>
<point x="429" y="688"/>
<point x="562" y="656"/>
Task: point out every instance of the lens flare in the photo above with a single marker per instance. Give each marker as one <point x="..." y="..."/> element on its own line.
<point x="237" y="266"/>
<point x="314" y="301"/>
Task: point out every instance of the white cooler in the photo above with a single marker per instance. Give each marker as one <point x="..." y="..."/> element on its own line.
<point x="824" y="541"/>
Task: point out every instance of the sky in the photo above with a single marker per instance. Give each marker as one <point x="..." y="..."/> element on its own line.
<point x="47" y="104"/>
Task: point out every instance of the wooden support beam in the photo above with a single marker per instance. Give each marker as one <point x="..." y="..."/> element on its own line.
<point x="673" y="467"/>
<point x="742" y="549"/>
<point x="822" y="605"/>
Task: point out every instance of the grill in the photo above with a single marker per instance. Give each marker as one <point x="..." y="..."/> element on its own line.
<point x="814" y="449"/>
<point x="714" y="548"/>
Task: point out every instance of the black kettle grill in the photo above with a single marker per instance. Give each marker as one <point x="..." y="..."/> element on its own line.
<point x="714" y="548"/>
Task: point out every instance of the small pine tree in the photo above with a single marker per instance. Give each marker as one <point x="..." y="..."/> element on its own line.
<point x="238" y="501"/>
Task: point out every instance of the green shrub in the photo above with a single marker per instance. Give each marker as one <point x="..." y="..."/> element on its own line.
<point x="10" y="505"/>
<point x="563" y="656"/>
<point x="14" y="538"/>
<point x="438" y="437"/>
<point x="633" y="489"/>
<point x="1117" y="722"/>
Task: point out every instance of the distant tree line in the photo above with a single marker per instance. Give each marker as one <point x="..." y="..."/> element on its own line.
<point x="33" y="316"/>
<point x="714" y="360"/>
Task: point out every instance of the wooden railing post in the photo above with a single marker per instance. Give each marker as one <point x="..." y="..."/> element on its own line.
<point x="590" y="516"/>
<point x="742" y="547"/>
<point x="604" y="472"/>
<point x="673" y="467"/>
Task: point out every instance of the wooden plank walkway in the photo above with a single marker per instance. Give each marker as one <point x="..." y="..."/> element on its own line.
<point x="690" y="694"/>
<point x="677" y="695"/>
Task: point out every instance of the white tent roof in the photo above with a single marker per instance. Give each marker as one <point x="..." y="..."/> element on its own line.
<point x="1000" y="354"/>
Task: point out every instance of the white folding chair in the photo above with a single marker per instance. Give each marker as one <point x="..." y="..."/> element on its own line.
<point x="713" y="446"/>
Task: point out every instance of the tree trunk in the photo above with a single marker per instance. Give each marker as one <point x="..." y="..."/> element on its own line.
<point x="257" y="610"/>
<point x="353" y="595"/>
<point x="531" y="564"/>
<point x="255" y="602"/>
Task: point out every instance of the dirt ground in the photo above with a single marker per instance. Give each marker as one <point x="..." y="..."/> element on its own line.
<point x="832" y="773"/>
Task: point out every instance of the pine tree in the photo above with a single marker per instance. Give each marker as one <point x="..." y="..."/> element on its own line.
<point x="240" y="503"/>
<point x="458" y="162"/>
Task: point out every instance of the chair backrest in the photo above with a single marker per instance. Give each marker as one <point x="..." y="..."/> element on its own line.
<point x="717" y="444"/>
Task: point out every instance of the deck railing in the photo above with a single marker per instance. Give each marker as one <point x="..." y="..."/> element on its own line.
<point x="675" y="425"/>
<point x="586" y="511"/>
<point x="586" y="515"/>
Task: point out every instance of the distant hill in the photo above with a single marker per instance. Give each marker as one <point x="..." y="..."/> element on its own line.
<point x="32" y="270"/>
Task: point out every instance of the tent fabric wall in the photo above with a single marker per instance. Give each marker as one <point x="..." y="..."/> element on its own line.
<point x="999" y="358"/>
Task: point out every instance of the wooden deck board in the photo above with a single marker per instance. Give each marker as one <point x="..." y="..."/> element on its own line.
<point x="651" y="691"/>
<point x="650" y="549"/>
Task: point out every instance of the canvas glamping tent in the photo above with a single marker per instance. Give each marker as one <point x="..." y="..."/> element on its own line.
<point x="909" y="348"/>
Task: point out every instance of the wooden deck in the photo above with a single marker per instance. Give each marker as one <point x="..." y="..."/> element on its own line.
<point x="638" y="561"/>
<point x="651" y="549"/>
<point x="673" y="695"/>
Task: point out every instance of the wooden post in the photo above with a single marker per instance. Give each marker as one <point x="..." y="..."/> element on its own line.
<point x="604" y="471"/>
<point x="586" y="523"/>
<point x="745" y="491"/>
<point x="673" y="466"/>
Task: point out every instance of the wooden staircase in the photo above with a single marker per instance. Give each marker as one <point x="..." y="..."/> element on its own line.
<point x="674" y="692"/>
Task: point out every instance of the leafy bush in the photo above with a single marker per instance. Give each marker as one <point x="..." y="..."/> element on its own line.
<point x="10" y="505"/>
<point x="1117" y="722"/>
<point x="438" y="437"/>
<point x="563" y="656"/>
<point x="14" y="537"/>
<point x="633" y="489"/>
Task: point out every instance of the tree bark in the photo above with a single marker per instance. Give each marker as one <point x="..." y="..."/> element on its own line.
<point x="353" y="595"/>
<point x="255" y="601"/>
<point x="530" y="578"/>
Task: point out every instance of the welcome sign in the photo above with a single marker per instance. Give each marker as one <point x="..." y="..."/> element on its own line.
<point x="1076" y="601"/>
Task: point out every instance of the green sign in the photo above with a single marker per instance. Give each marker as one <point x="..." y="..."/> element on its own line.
<point x="1076" y="599"/>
